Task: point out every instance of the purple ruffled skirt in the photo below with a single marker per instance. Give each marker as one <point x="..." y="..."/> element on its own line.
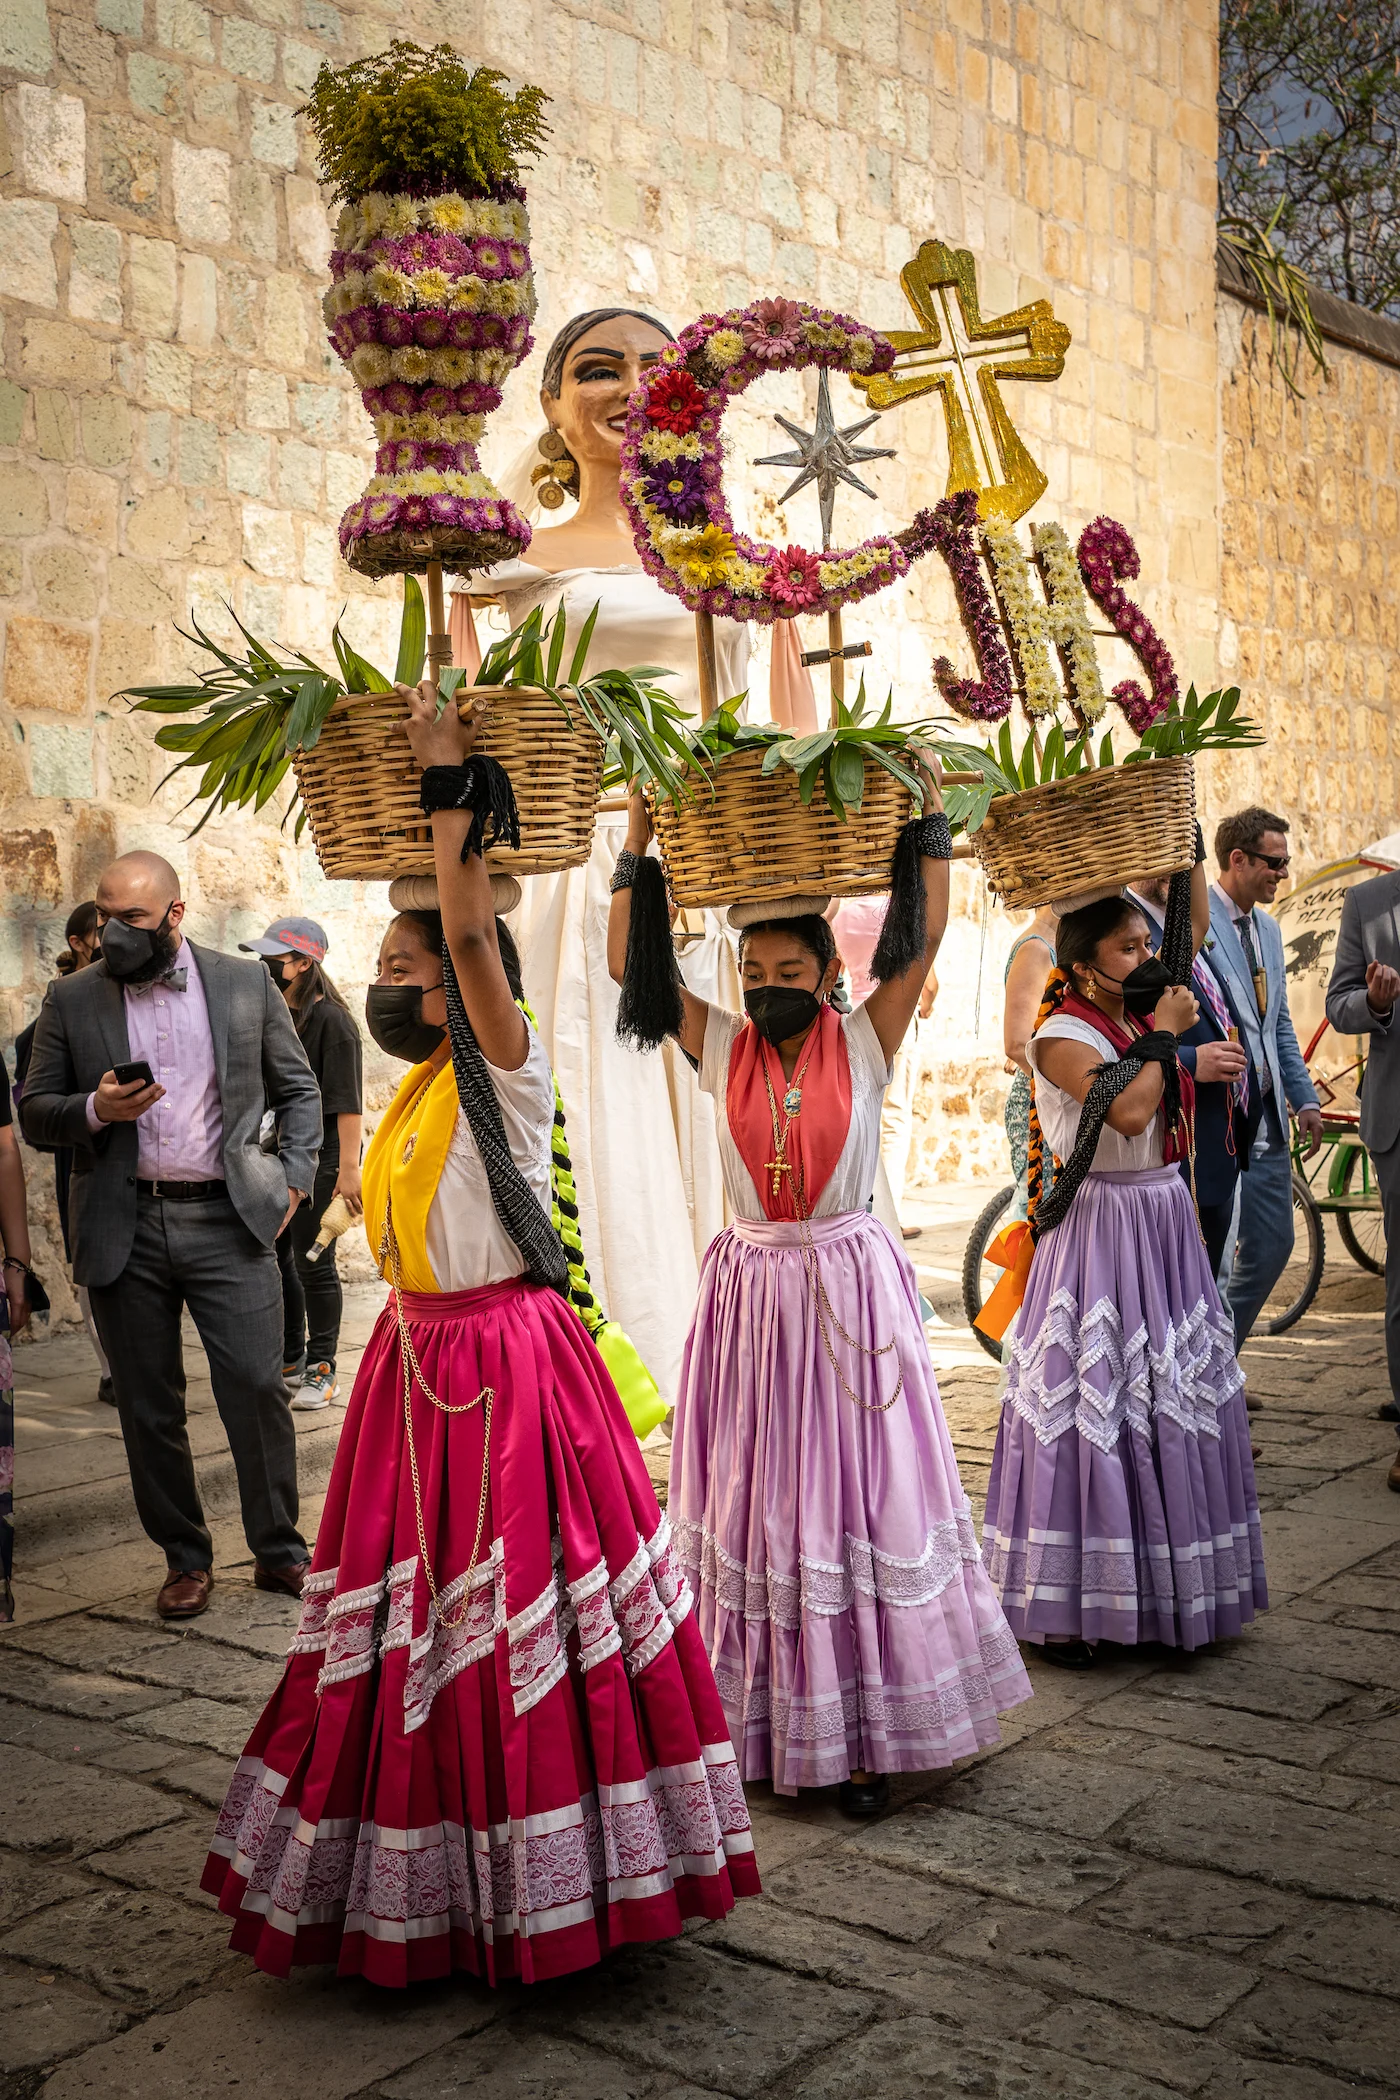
<point x="848" y="1619"/>
<point x="1121" y="1504"/>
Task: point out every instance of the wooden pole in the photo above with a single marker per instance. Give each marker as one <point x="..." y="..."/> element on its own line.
<point x="707" y="664"/>
<point x="439" y="639"/>
<point x="838" y="664"/>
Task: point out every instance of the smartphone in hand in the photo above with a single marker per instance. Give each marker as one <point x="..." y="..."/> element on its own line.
<point x="125" y="1075"/>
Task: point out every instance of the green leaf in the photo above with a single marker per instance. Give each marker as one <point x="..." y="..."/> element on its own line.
<point x="413" y="635"/>
<point x="580" y="656"/>
<point x="360" y="676"/>
<point x="846" y="771"/>
<point x="806" y="782"/>
<point x="1052" y="758"/>
<point x="1006" y="750"/>
<point x="772" y="759"/>
<point x="833" y="800"/>
<point x="1106" y="750"/>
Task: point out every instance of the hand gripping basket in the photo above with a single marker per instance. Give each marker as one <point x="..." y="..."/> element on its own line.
<point x="1118" y="824"/>
<point x="360" y="785"/>
<point x="743" y="838"/>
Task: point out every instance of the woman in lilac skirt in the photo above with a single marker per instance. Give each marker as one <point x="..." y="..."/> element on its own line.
<point x="1121" y="1505"/>
<point x="814" y="1495"/>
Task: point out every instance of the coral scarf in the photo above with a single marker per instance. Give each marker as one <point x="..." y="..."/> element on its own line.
<point x="815" y="1135"/>
<point x="1176" y="1141"/>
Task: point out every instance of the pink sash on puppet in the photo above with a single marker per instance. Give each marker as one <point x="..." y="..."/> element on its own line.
<point x="816" y="1134"/>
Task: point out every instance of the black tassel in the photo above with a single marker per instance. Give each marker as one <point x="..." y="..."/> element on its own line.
<point x="904" y="934"/>
<point x="483" y="786"/>
<point x="1177" y="930"/>
<point x="650" y="1008"/>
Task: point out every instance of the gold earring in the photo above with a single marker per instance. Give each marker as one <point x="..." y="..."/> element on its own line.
<point x="559" y="474"/>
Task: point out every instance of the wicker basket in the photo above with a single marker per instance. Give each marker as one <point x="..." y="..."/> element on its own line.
<point x="751" y="839"/>
<point x="360" y="785"/>
<point x="1119" y="824"/>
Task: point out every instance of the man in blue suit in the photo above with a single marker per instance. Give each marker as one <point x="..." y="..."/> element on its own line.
<point x="1252" y="852"/>
<point x="1227" y="1086"/>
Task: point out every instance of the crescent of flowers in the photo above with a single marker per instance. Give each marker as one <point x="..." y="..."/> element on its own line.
<point x="673" y="466"/>
<point x="1106" y="553"/>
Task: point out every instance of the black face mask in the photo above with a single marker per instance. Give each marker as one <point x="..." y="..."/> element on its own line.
<point x="394" y="1017"/>
<point x="1142" y="987"/>
<point x="277" y="970"/>
<point x="780" y="1011"/>
<point x="138" y="954"/>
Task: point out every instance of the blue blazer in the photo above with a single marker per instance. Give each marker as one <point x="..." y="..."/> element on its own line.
<point x="1270" y="1042"/>
<point x="1219" y="1118"/>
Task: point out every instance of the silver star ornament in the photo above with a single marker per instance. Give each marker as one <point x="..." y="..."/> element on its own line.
<point x="825" y="455"/>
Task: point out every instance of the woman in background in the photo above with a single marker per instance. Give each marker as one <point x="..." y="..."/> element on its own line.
<point x="79" y="948"/>
<point x="1028" y="965"/>
<point x="312" y="1301"/>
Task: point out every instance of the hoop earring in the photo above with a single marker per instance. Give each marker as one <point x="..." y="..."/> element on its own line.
<point x="559" y="474"/>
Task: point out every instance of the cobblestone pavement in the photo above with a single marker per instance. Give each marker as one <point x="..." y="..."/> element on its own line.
<point x="1178" y="1876"/>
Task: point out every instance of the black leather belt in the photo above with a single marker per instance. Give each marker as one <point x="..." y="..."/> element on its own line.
<point x="183" y="1191"/>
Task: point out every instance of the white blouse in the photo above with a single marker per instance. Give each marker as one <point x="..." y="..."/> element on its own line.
<point x="853" y="1182"/>
<point x="467" y="1245"/>
<point x="1059" y="1112"/>
<point x="639" y="623"/>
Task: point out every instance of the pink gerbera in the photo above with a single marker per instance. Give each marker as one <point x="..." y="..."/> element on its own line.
<point x="770" y="328"/>
<point x="794" y="578"/>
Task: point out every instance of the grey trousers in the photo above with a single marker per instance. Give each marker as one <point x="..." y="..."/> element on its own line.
<point x="203" y="1256"/>
<point x="1387" y="1166"/>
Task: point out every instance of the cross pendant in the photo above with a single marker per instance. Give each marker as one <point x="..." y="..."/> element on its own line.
<point x="777" y="1167"/>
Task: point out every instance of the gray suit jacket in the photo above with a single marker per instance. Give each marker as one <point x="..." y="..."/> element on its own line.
<point x="81" y="1033"/>
<point x="1370" y="932"/>
<point x="1271" y="1041"/>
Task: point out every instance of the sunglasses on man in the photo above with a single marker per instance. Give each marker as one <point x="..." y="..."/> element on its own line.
<point x="1277" y="861"/>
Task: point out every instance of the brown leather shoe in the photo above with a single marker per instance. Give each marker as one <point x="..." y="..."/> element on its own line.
<point x="287" y="1580"/>
<point x="1392" y="1478"/>
<point x="1252" y="1401"/>
<point x="184" y="1593"/>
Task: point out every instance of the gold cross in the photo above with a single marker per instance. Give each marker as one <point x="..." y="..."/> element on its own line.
<point x="956" y="346"/>
<point x="777" y="1167"/>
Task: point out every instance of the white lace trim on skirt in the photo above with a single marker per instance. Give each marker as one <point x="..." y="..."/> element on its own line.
<point x="635" y="1612"/>
<point x="533" y="1875"/>
<point x="824" y="1588"/>
<point x="1188" y="1380"/>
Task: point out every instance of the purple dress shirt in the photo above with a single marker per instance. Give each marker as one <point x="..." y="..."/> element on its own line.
<point x="182" y="1137"/>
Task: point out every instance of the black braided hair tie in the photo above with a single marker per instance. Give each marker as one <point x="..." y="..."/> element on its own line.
<point x="483" y="786"/>
<point x="1158" y="1048"/>
<point x="933" y="836"/>
<point x="625" y="873"/>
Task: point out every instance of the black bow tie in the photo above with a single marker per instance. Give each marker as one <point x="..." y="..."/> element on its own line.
<point x="175" y="979"/>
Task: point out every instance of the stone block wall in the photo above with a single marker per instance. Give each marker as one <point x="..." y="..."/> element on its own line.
<point x="1310" y="555"/>
<point x="175" y="436"/>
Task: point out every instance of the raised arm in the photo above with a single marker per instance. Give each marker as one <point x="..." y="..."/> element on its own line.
<point x="692" y="1035"/>
<point x="1360" y="995"/>
<point x="464" y="885"/>
<point x="891" y="1005"/>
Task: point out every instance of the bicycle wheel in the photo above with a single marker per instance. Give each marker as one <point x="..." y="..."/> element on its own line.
<point x="1297" y="1287"/>
<point x="980" y="1277"/>
<point x="1363" y="1231"/>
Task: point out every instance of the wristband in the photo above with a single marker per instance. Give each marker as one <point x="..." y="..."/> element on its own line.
<point x="482" y="786"/>
<point x="12" y="1261"/>
<point x="625" y="873"/>
<point x="933" y="836"/>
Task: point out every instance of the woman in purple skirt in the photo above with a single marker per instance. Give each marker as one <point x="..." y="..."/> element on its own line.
<point x="814" y="1496"/>
<point x="1121" y="1505"/>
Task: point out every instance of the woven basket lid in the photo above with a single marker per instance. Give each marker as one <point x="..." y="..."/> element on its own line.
<point x="742" y="915"/>
<point x="420" y="893"/>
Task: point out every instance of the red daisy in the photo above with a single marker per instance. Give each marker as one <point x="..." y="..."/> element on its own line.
<point x="793" y="578"/>
<point x="674" y="401"/>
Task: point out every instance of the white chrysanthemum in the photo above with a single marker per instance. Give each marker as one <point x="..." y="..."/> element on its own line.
<point x="371" y="364"/>
<point x="401" y="216"/>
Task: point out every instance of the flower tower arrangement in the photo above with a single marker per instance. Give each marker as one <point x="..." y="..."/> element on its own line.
<point x="432" y="292"/>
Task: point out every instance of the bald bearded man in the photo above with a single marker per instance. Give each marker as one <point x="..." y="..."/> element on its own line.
<point x="173" y="1204"/>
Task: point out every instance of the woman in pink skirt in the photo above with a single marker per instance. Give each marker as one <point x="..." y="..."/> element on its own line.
<point x="814" y="1492"/>
<point x="497" y="1745"/>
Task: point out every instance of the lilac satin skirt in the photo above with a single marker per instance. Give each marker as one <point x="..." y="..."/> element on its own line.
<point x="1121" y="1504"/>
<point x="847" y="1616"/>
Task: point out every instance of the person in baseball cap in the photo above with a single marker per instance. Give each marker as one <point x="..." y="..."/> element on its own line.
<point x="290" y="937"/>
<point x="294" y="950"/>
